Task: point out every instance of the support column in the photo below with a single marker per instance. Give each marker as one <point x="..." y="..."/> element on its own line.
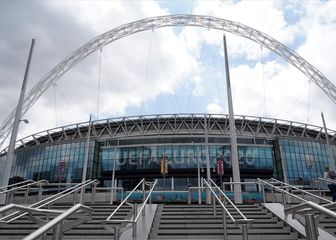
<point x="208" y="194"/>
<point x="10" y="154"/>
<point x="234" y="150"/>
<point x="86" y="159"/>
<point x="329" y="151"/>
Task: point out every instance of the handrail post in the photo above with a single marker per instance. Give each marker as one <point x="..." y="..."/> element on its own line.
<point x="310" y="227"/>
<point x="189" y="196"/>
<point x="93" y="192"/>
<point x="144" y="198"/>
<point x="135" y="212"/>
<point x="214" y="205"/>
<point x="57" y="235"/>
<point x="39" y="195"/>
<point x="284" y="199"/>
<point x="225" y="231"/>
<point x="26" y="194"/>
<point x="75" y="197"/>
<point x="319" y="187"/>
<point x="244" y="231"/>
<point x="263" y="192"/>
<point x="116" y="233"/>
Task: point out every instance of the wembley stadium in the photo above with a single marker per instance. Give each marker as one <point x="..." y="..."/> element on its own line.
<point x="131" y="148"/>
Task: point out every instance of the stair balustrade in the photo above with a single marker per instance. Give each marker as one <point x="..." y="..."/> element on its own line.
<point x="136" y="214"/>
<point x="243" y="222"/>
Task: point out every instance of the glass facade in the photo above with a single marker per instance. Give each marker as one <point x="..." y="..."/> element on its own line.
<point x="55" y="163"/>
<point x="296" y="160"/>
<point x="302" y="160"/>
<point x="183" y="157"/>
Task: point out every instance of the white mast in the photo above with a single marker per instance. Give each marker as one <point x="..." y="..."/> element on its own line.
<point x="233" y="136"/>
<point x="10" y="154"/>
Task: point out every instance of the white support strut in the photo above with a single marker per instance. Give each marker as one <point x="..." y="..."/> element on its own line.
<point x="168" y="21"/>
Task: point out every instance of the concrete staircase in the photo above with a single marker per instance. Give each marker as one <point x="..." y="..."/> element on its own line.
<point x="91" y="229"/>
<point x="198" y="222"/>
<point x="328" y="224"/>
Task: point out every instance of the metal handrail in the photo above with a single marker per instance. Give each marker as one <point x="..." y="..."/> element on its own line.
<point x="227" y="198"/>
<point x="242" y="221"/>
<point x="136" y="212"/>
<point x="145" y="201"/>
<point x="326" y="180"/>
<point x="300" y="190"/>
<point x="311" y="229"/>
<point x="24" y="186"/>
<point x="57" y="222"/>
<point x="122" y="203"/>
<point x="310" y="204"/>
<point x="49" y="200"/>
<point x="14" y="184"/>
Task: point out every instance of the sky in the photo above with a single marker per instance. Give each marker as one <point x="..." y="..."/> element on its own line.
<point x="168" y="70"/>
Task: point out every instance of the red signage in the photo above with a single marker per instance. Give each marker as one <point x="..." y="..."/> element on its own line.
<point x="219" y="167"/>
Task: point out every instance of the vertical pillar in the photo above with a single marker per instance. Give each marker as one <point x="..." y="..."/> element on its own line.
<point x="10" y="154"/>
<point x="86" y="159"/>
<point x="208" y="194"/>
<point x="329" y="151"/>
<point x="234" y="150"/>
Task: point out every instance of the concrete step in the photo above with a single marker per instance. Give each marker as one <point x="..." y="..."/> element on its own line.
<point x="198" y="222"/>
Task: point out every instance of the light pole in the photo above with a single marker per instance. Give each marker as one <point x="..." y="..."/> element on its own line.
<point x="198" y="176"/>
<point x="115" y="156"/>
<point x="18" y="114"/>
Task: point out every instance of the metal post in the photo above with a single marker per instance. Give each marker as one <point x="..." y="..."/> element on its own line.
<point x="199" y="177"/>
<point x="39" y="195"/>
<point x="244" y="232"/>
<point x="10" y="154"/>
<point x="234" y="149"/>
<point x="57" y="235"/>
<point x="263" y="192"/>
<point x="225" y="230"/>
<point x="86" y="159"/>
<point x="143" y="198"/>
<point x="116" y="233"/>
<point x="329" y="151"/>
<point x="310" y="227"/>
<point x="214" y="205"/>
<point x="75" y="197"/>
<point x="113" y="175"/>
<point x="26" y="195"/>
<point x="135" y="212"/>
<point x="208" y="194"/>
<point x="93" y="193"/>
<point x="189" y="196"/>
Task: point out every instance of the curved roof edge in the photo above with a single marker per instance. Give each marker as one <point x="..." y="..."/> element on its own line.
<point x="177" y="124"/>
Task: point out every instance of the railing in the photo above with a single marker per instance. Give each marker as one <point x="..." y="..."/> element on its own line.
<point x="307" y="208"/>
<point x="199" y="190"/>
<point x="50" y="200"/>
<point x="323" y="180"/>
<point x="57" y="223"/>
<point x="27" y="186"/>
<point x="136" y="213"/>
<point x="291" y="187"/>
<point x="243" y="221"/>
<point x="13" y="185"/>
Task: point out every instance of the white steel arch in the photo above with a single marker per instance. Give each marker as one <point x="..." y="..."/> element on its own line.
<point x="168" y="21"/>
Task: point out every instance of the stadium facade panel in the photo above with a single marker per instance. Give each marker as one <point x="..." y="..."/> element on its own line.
<point x="133" y="147"/>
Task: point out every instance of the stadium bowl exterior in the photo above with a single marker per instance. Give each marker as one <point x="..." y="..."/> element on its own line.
<point x="134" y="146"/>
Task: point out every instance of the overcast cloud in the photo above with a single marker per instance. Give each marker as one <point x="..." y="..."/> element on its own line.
<point x="169" y="70"/>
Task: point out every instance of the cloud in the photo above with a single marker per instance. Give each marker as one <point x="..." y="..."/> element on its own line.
<point x="151" y="66"/>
